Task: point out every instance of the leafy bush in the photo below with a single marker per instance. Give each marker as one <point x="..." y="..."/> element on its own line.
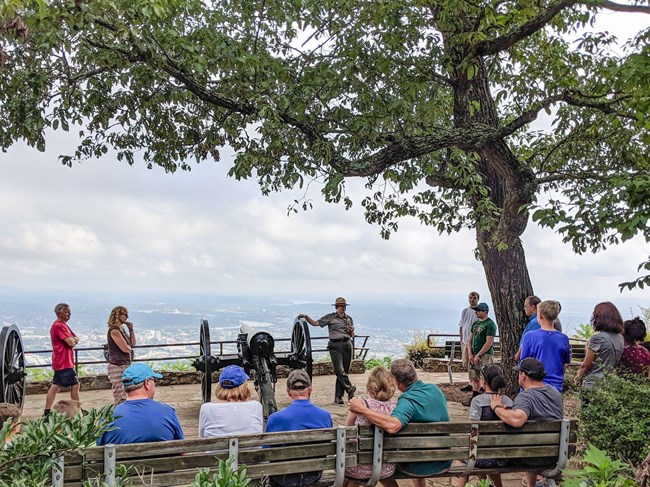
<point x="28" y="458"/>
<point x="616" y="418"/>
<point x="418" y="350"/>
<point x="600" y="471"/>
<point x="584" y="331"/>
<point x="374" y="362"/>
<point x="225" y="476"/>
<point x="177" y="366"/>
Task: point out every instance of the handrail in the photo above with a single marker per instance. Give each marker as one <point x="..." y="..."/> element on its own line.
<point x="359" y="352"/>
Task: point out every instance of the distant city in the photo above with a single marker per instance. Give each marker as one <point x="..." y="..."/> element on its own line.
<point x="390" y="323"/>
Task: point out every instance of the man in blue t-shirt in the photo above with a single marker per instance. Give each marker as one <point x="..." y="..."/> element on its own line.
<point x="140" y="419"/>
<point x="419" y="403"/>
<point x="530" y="310"/>
<point x="301" y="414"/>
<point x="548" y="345"/>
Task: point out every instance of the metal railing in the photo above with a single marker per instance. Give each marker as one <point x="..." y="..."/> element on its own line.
<point x="225" y="347"/>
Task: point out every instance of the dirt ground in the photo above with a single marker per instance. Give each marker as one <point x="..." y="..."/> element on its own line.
<point x="186" y="399"/>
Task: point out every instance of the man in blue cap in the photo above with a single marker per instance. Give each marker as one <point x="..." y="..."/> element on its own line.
<point x="140" y="419"/>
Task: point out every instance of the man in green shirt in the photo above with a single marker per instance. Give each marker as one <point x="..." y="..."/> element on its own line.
<point x="480" y="349"/>
<point x="419" y="403"/>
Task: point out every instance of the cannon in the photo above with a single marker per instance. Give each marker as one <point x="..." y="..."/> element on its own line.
<point x="255" y="353"/>
<point x="12" y="366"/>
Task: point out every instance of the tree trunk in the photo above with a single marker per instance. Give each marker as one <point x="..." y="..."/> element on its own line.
<point x="509" y="284"/>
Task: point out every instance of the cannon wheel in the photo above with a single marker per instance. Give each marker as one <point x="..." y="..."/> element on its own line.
<point x="12" y="367"/>
<point x="301" y="345"/>
<point x="204" y="346"/>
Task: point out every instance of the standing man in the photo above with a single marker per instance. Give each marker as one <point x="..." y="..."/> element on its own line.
<point x="548" y="345"/>
<point x="419" y="403"/>
<point x="341" y="331"/>
<point x="480" y="349"/>
<point x="140" y="419"/>
<point x="530" y="310"/>
<point x="63" y="341"/>
<point x="467" y="319"/>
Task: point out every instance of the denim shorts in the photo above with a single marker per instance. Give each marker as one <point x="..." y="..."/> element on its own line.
<point x="65" y="378"/>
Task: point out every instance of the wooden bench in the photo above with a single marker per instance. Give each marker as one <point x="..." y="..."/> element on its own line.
<point x="468" y="442"/>
<point x="453" y="354"/>
<point x="176" y="462"/>
<point x="332" y="449"/>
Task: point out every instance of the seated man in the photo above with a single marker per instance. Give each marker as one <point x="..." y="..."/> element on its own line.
<point x="537" y="402"/>
<point x="140" y="419"/>
<point x="301" y="414"/>
<point x="419" y="403"/>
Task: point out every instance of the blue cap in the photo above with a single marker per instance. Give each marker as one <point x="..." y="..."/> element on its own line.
<point x="232" y="376"/>
<point x="136" y="373"/>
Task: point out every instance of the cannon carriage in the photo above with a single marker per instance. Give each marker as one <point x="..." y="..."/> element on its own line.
<point x="256" y="354"/>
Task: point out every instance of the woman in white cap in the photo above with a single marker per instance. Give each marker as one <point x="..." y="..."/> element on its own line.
<point x="340" y="328"/>
<point x="232" y="412"/>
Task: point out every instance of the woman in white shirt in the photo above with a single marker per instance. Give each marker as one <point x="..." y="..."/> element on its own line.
<point x="232" y="412"/>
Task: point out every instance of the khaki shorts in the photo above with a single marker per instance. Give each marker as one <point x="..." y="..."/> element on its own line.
<point x="485" y="360"/>
<point x="464" y="354"/>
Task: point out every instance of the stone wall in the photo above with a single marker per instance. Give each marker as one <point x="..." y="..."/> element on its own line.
<point x="98" y="382"/>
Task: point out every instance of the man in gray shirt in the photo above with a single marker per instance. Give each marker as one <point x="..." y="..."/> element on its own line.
<point x="537" y="401"/>
<point x="467" y="319"/>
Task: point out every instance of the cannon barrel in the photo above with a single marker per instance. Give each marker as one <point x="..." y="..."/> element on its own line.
<point x="260" y="343"/>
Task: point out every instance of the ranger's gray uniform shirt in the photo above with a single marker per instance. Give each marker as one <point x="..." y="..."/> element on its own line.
<point x="337" y="325"/>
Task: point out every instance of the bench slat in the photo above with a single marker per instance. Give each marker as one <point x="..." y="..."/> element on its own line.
<point x="520" y="452"/>
<point x="519" y="439"/>
<point x="205" y="444"/>
<point x="412" y="443"/>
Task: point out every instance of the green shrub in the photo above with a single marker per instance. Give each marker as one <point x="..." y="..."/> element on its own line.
<point x="374" y="362"/>
<point x="418" y="350"/>
<point x="225" y="476"/>
<point x="616" y="418"/>
<point x="28" y="458"/>
<point x="600" y="470"/>
<point x="177" y="366"/>
<point x="584" y="331"/>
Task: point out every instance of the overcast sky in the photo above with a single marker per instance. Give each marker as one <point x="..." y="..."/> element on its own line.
<point x="103" y="225"/>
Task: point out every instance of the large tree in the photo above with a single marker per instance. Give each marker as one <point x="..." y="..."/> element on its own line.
<point x="432" y="101"/>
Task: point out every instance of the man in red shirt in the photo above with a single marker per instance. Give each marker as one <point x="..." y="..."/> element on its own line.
<point x="63" y="341"/>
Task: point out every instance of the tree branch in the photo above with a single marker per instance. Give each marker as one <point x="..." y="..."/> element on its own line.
<point x="617" y="7"/>
<point x="525" y="30"/>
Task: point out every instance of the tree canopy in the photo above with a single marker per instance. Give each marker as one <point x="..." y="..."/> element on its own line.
<point x="432" y="102"/>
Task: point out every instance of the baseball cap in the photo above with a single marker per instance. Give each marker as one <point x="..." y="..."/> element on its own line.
<point x="232" y="376"/>
<point x="298" y="379"/>
<point x="532" y="368"/>
<point x="136" y="373"/>
<point x="481" y="307"/>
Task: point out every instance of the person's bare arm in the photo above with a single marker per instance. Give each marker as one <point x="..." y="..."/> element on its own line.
<point x="352" y="416"/>
<point x="129" y="325"/>
<point x="309" y="320"/>
<point x="119" y="340"/>
<point x="586" y="366"/>
<point x="71" y="341"/>
<point x="512" y="417"/>
<point x="518" y="355"/>
<point x="489" y="341"/>
<point x="388" y="423"/>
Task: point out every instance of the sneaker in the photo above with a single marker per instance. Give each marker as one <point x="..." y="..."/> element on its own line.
<point x="467" y="388"/>
<point x="338" y="400"/>
<point x="352" y="391"/>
